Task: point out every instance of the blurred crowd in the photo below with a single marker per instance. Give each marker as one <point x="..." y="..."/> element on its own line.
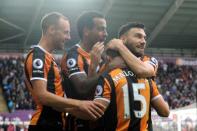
<point x="12" y="84"/>
<point x="177" y="84"/>
<point x="14" y="124"/>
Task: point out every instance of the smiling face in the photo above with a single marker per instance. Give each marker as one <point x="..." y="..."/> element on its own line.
<point x="135" y="40"/>
<point x="56" y="29"/>
<point x="100" y="29"/>
<point x="98" y="33"/>
<point x="61" y="33"/>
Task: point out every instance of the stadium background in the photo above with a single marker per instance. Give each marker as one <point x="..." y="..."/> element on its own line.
<point x="172" y="38"/>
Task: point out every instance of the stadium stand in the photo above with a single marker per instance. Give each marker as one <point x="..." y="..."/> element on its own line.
<point x="180" y="81"/>
<point x="171" y="32"/>
<point x="177" y="84"/>
<point x="12" y="83"/>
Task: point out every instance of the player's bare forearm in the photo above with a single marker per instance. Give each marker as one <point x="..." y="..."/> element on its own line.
<point x="88" y="110"/>
<point x="49" y="99"/>
<point x="89" y="86"/>
<point x="104" y="103"/>
<point x="161" y="107"/>
<point x="58" y="102"/>
<point x="140" y="68"/>
<point x="84" y="86"/>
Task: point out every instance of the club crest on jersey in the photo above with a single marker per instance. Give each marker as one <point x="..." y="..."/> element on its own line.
<point x="37" y="63"/>
<point x="99" y="90"/>
<point x="71" y="63"/>
<point x="154" y="60"/>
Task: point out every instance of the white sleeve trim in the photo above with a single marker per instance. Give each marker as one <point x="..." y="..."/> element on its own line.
<point x="82" y="72"/>
<point x="156" y="97"/>
<point x="104" y="99"/>
<point x="38" y="78"/>
<point x="153" y="64"/>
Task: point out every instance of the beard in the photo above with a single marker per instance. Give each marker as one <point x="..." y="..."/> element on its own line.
<point x="58" y="45"/>
<point x="133" y="50"/>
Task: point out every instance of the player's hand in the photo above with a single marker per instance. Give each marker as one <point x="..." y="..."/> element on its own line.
<point x="95" y="53"/>
<point x="115" y="44"/>
<point x="90" y="110"/>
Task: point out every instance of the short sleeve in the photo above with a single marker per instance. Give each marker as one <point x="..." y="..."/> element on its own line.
<point x="103" y="90"/>
<point x="152" y="61"/>
<point x="155" y="92"/>
<point x="36" y="65"/>
<point x="72" y="64"/>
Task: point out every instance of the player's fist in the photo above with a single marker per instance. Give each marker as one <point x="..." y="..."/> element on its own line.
<point x="115" y="44"/>
<point x="96" y="52"/>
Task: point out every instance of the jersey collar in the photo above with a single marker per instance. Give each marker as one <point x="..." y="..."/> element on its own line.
<point x="83" y="52"/>
<point x="44" y="50"/>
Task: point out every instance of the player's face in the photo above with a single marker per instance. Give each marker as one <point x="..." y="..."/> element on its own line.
<point x="62" y="33"/>
<point x="135" y="40"/>
<point x="98" y="33"/>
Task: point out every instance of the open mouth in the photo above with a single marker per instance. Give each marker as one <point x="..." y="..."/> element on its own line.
<point x="141" y="47"/>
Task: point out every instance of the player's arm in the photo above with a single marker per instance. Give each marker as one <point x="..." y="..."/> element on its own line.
<point x="84" y="83"/>
<point x="103" y="92"/>
<point x="84" y="86"/>
<point x="160" y="106"/>
<point x="37" y="83"/>
<point x="140" y="68"/>
<point x="71" y="66"/>
<point x="104" y="103"/>
<point x="37" y="70"/>
<point x="90" y="110"/>
<point x="49" y="99"/>
<point x="158" y="103"/>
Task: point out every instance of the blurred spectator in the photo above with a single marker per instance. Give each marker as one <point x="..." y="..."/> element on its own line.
<point x="13" y="124"/>
<point x="178" y="84"/>
<point x="12" y="82"/>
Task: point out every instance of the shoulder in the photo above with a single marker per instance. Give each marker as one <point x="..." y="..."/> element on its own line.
<point x="72" y="51"/>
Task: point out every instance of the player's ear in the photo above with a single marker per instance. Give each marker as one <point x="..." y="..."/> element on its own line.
<point x="123" y="38"/>
<point x="86" y="31"/>
<point x="51" y="29"/>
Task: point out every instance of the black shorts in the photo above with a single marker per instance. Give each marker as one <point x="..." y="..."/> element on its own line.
<point x="74" y="124"/>
<point x="45" y="128"/>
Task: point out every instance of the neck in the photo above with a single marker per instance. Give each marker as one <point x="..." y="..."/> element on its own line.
<point x="46" y="44"/>
<point x="119" y="59"/>
<point x="85" y="45"/>
<point x="117" y="62"/>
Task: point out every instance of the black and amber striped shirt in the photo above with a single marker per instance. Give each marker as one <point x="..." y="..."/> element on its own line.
<point x="40" y="65"/>
<point x="75" y="61"/>
<point x="129" y="100"/>
<point x="151" y="60"/>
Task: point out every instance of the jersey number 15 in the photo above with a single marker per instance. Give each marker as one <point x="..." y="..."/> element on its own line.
<point x="137" y="97"/>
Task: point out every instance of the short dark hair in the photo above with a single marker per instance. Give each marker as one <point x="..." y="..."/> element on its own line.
<point x="86" y="20"/>
<point x="125" y="28"/>
<point x="51" y="19"/>
<point x="112" y="53"/>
